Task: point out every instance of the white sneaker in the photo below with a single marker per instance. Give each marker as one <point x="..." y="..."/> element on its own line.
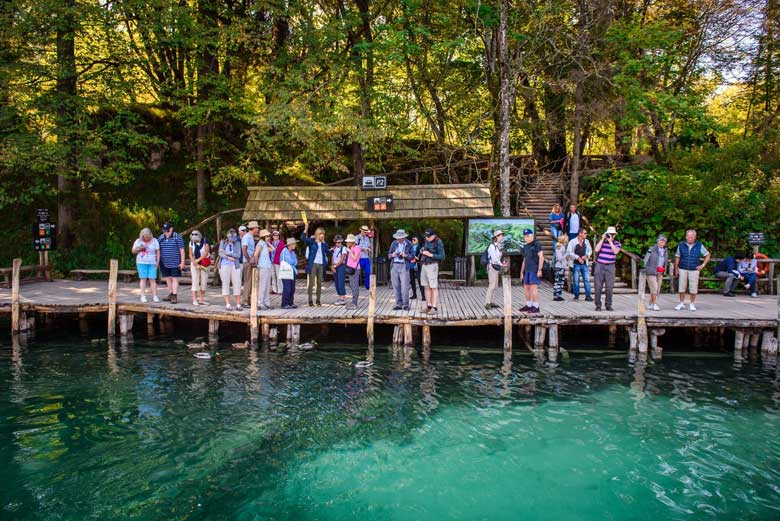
<point x="155" y="299"/>
<point x="680" y="306"/>
<point x="144" y="299"/>
<point x="228" y="307"/>
<point x="754" y="295"/>
<point x="692" y="307"/>
<point x="656" y="307"/>
<point x="194" y="302"/>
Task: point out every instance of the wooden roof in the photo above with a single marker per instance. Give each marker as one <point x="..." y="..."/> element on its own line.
<point x="349" y="203"/>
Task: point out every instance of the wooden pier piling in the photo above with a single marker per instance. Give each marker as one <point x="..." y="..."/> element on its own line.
<point x="506" y="284"/>
<point x="112" y="274"/>
<point x="641" y="324"/>
<point x="408" y="336"/>
<point x="371" y="309"/>
<point x="253" y="324"/>
<point x="17" y="266"/>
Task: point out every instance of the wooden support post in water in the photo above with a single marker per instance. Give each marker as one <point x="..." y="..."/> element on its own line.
<point x="213" y="330"/>
<point x="632" y="343"/>
<point x="739" y="338"/>
<point x="294" y="334"/>
<point x="641" y="325"/>
<point x="654" y="345"/>
<point x="507" y="288"/>
<point x="112" y="273"/>
<point x="408" y="338"/>
<point x="273" y="335"/>
<point x="612" y="336"/>
<point x="126" y="324"/>
<point x="371" y="309"/>
<point x="253" y="327"/>
<point x="15" y="295"/>
<point x="540" y="334"/>
<point x="754" y="337"/>
<point x="426" y="340"/>
<point x="266" y="331"/>
<point x="552" y="340"/>
<point x="767" y="338"/>
<point x="150" y="324"/>
<point x="397" y="335"/>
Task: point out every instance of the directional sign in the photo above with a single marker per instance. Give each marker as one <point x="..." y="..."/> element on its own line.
<point x="382" y="203"/>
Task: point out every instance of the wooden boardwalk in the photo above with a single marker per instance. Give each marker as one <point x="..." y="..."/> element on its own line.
<point x="459" y="306"/>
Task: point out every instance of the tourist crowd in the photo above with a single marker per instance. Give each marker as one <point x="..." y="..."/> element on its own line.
<point x="414" y="263"/>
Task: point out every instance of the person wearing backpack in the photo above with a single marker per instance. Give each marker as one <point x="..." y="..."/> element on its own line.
<point x="339" y="256"/>
<point x="494" y="261"/>
<point x="431" y="254"/>
<point x="414" y="272"/>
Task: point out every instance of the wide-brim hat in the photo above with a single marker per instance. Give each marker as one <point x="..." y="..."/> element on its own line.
<point x="611" y="230"/>
<point x="291" y="240"/>
<point x="350" y="238"/>
<point x="364" y="228"/>
<point x="252" y="224"/>
<point x="400" y="234"/>
<point x="338" y="238"/>
<point x="264" y="233"/>
<point x="497" y="233"/>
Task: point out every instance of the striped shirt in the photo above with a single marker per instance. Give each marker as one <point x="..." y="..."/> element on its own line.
<point x="170" y="250"/>
<point x="606" y="255"/>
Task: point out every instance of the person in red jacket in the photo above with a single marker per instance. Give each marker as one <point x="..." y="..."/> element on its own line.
<point x="277" y="245"/>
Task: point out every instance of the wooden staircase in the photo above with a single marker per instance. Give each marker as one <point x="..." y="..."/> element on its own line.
<point x="542" y="192"/>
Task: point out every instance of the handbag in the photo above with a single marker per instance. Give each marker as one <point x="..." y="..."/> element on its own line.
<point x="349" y="270"/>
<point x="286" y="271"/>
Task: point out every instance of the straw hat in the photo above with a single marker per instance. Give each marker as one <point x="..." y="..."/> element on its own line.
<point x="291" y="240"/>
<point x="350" y="238"/>
<point x="364" y="228"/>
<point x="497" y="233"/>
<point x="264" y="233"/>
<point x="611" y="230"/>
<point x="252" y="224"/>
<point x="400" y="234"/>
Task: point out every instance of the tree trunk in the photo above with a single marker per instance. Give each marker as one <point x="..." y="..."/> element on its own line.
<point x="555" y="110"/>
<point x="200" y="172"/>
<point x="66" y="89"/>
<point x="504" y="112"/>
<point x="576" y="153"/>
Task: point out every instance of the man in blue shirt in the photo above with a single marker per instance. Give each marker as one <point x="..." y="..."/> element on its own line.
<point x="364" y="241"/>
<point x="171" y="260"/>
<point x="401" y="262"/>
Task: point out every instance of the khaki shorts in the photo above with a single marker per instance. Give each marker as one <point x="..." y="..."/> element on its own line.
<point x="654" y="284"/>
<point x="689" y="279"/>
<point x="429" y="276"/>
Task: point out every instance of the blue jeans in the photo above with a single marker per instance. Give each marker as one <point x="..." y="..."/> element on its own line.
<point x="555" y="231"/>
<point x="581" y="270"/>
<point x="572" y="236"/>
<point x="365" y="267"/>
<point x="340" y="279"/>
<point x="751" y="279"/>
<point x="288" y="292"/>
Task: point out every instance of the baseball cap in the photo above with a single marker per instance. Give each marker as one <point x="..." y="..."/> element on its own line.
<point x="429" y="232"/>
<point x="242" y="228"/>
<point x="166" y="227"/>
<point x="528" y="231"/>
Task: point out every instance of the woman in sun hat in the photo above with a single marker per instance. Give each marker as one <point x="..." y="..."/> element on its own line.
<point x="230" y="268"/>
<point x="400" y="255"/>
<point x="262" y="258"/>
<point x="496" y="263"/>
<point x="287" y="272"/>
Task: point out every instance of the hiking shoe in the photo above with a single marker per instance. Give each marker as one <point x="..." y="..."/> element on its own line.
<point x="413" y="297"/>
<point x="169" y="297"/>
<point x="533" y="310"/>
<point x="729" y="294"/>
<point x="174" y="299"/>
<point x="588" y="299"/>
<point x="525" y="309"/>
<point x="405" y="308"/>
<point x="396" y="308"/>
<point x="576" y="297"/>
<point x="692" y="307"/>
<point x="559" y="299"/>
<point x="351" y="306"/>
<point x="680" y="306"/>
<point x="598" y="308"/>
<point x="609" y="308"/>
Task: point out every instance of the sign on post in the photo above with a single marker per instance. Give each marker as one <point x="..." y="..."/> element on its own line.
<point x="382" y="203"/>
<point x="756" y="238"/>
<point x="374" y="182"/>
<point x="44" y="232"/>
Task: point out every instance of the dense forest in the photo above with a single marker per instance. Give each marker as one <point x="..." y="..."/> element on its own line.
<point x="119" y="114"/>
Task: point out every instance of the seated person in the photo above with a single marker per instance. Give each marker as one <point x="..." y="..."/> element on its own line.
<point x="728" y="270"/>
<point x="748" y="268"/>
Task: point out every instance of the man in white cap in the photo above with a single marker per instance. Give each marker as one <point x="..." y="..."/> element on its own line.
<point x="400" y="254"/>
<point x="248" y="252"/>
<point x="496" y="263"/>
<point x="606" y="251"/>
<point x="364" y="241"/>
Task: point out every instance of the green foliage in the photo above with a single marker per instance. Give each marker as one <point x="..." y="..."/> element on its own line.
<point x="720" y="192"/>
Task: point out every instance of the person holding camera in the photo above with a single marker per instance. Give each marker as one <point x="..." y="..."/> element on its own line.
<point x="607" y="250"/>
<point x="400" y="254"/>
<point x="496" y="264"/>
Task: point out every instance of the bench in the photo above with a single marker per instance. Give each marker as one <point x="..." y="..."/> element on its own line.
<point x="768" y="279"/>
<point x="126" y="275"/>
<point x="38" y="270"/>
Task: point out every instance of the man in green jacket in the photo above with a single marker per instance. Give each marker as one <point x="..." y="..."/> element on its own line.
<point x="431" y="254"/>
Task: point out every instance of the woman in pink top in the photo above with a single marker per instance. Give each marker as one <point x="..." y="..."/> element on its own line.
<point x="353" y="270"/>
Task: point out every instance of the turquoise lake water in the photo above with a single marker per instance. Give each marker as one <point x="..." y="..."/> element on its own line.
<point x="149" y="432"/>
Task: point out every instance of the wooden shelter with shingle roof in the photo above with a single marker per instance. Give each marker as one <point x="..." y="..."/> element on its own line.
<point x="350" y="203"/>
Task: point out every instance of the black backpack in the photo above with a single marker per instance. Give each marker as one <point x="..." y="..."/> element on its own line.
<point x="484" y="259"/>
